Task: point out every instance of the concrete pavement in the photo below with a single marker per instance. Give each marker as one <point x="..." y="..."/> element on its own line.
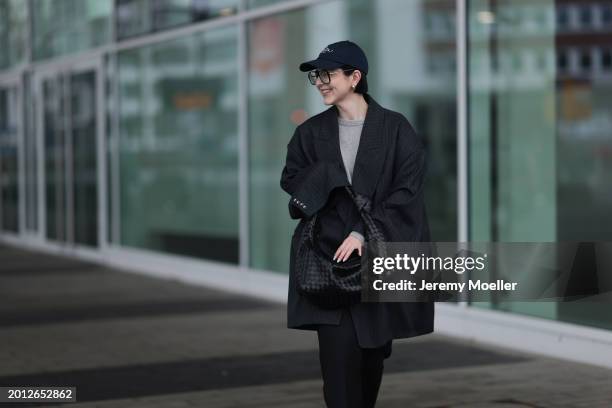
<point x="128" y="340"/>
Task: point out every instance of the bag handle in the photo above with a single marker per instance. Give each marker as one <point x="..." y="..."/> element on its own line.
<point x="373" y="233"/>
<point x="364" y="206"/>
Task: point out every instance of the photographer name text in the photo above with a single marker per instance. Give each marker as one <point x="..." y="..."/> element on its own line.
<point x="409" y="285"/>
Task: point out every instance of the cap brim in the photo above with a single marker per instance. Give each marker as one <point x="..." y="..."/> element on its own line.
<point x="319" y="64"/>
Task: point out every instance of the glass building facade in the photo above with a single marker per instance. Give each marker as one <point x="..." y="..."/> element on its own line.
<point x="540" y="87"/>
<point x="162" y="125"/>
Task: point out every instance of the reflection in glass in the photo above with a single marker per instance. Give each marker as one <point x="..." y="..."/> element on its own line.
<point x="54" y="139"/>
<point x="66" y="26"/>
<point x="540" y="130"/>
<point x="9" y="198"/>
<point x="419" y="82"/>
<point x="70" y="168"/>
<point x="135" y="17"/>
<point x="83" y="135"/>
<point x="179" y="146"/>
<point x="13" y="32"/>
<point x="260" y="3"/>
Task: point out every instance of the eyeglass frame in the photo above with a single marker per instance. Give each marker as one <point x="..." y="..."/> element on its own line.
<point x="329" y="74"/>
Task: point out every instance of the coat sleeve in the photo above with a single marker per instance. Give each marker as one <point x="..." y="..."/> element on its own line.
<point x="402" y="212"/>
<point x="359" y="229"/>
<point x="309" y="182"/>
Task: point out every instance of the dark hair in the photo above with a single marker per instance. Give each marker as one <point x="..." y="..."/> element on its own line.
<point x="362" y="85"/>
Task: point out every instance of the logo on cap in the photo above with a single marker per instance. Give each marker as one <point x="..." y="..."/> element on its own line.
<point x="326" y="49"/>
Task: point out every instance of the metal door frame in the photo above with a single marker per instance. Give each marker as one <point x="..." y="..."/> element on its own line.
<point x="40" y="74"/>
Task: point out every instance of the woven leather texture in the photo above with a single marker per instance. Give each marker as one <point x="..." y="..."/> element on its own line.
<point x="330" y="283"/>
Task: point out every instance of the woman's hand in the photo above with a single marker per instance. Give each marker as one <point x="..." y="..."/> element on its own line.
<point x="346" y="249"/>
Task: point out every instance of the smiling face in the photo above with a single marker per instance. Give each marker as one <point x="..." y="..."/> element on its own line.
<point x="339" y="86"/>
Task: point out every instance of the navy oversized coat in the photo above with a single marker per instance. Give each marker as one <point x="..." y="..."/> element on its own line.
<point x="389" y="169"/>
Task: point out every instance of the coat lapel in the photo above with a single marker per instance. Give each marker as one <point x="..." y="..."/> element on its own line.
<point x="370" y="153"/>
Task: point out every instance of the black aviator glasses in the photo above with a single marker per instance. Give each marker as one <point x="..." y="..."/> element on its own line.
<point x="324" y="74"/>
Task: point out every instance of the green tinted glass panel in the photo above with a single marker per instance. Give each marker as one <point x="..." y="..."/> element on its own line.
<point x="260" y="3"/>
<point x="9" y="198"/>
<point x="137" y="17"/>
<point x="83" y="111"/>
<point x="68" y="26"/>
<point x="540" y="138"/>
<point x="13" y="32"/>
<point x="55" y="134"/>
<point x="178" y="118"/>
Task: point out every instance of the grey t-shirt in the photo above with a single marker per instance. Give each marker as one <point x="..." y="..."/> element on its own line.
<point x="350" y="134"/>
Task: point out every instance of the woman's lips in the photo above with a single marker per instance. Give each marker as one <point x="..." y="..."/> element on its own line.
<point x="325" y="91"/>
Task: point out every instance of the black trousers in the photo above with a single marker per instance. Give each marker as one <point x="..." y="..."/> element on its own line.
<point x="351" y="374"/>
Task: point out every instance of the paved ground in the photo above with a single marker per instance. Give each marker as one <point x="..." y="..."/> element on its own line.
<point x="126" y="340"/>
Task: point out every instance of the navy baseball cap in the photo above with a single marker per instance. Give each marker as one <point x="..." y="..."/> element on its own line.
<point x="337" y="54"/>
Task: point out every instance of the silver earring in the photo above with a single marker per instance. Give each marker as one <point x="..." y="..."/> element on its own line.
<point x="354" y="86"/>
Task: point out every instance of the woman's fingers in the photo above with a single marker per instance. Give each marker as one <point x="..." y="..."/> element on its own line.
<point x="340" y="251"/>
<point x="345" y="253"/>
<point x="346" y="249"/>
<point x="337" y="254"/>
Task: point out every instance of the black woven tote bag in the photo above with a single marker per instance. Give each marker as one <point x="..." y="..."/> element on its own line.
<point x="332" y="284"/>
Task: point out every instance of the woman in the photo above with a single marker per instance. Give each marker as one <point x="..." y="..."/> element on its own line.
<point x="375" y="150"/>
